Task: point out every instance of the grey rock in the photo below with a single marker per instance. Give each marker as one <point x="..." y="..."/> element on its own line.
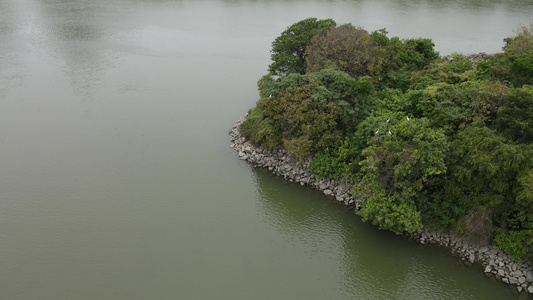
<point x="521" y="279"/>
<point x="530" y="289"/>
<point x="483" y="249"/>
<point x="505" y="280"/>
<point x="529" y="276"/>
<point x="517" y="273"/>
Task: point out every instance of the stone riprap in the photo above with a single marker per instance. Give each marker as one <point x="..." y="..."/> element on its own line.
<point x="495" y="263"/>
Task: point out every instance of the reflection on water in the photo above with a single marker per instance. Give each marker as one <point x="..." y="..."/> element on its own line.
<point x="78" y="40"/>
<point x="374" y="264"/>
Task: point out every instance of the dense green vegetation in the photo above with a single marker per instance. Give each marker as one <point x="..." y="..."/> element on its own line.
<point x="444" y="142"/>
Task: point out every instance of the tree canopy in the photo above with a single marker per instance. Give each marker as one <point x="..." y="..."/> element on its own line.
<point x="288" y="49"/>
<point x="348" y="48"/>
<point x="444" y="142"/>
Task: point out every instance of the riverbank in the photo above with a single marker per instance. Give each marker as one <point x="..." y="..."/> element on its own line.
<point x="496" y="263"/>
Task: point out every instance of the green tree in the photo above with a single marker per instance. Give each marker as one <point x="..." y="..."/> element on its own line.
<point x="483" y="170"/>
<point x="288" y="49"/>
<point x="417" y="53"/>
<point x="402" y="158"/>
<point x="521" y="43"/>
<point x="303" y="113"/>
<point x="350" y="49"/>
<point x="522" y="70"/>
<point x="515" y="116"/>
<point x="259" y="130"/>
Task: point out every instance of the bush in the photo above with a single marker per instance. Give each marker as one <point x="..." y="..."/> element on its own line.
<point x="258" y="130"/>
<point x="521" y="43"/>
<point x="350" y="49"/>
<point x="495" y="68"/>
<point x="522" y="70"/>
<point x="327" y="163"/>
<point x="395" y="212"/>
<point x="417" y="53"/>
<point x="515" y="116"/>
<point x="402" y="158"/>
<point x="304" y="125"/>
<point x="517" y="243"/>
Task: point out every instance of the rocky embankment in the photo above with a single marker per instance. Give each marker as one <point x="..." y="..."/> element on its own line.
<point x="281" y="164"/>
<point x="495" y="263"/>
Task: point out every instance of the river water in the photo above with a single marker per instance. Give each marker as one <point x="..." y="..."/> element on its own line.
<point x="117" y="180"/>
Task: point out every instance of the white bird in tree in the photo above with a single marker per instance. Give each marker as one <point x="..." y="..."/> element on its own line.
<point x="388" y="120"/>
<point x="377" y="131"/>
<point x="407" y="118"/>
<point x="390" y="132"/>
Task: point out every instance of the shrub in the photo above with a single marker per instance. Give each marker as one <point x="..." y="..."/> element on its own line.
<point x="515" y="116"/>
<point x="258" y="130"/>
<point x="417" y="53"/>
<point x="517" y="243"/>
<point x="404" y="155"/>
<point x="350" y="49"/>
<point x="522" y="70"/>
<point x="521" y="43"/>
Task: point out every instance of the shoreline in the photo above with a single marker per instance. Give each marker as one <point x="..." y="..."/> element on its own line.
<point x="518" y="275"/>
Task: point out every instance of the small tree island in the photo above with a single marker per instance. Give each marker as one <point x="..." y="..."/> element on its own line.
<point x="425" y="140"/>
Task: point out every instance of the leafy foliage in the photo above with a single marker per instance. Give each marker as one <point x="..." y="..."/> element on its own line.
<point x="522" y="70"/>
<point x="304" y="111"/>
<point x="395" y="212"/>
<point x="407" y="54"/>
<point x="327" y="164"/>
<point x="518" y="243"/>
<point x="515" y="116"/>
<point x="521" y="43"/>
<point x="288" y="50"/>
<point x="401" y="159"/>
<point x="258" y="130"/>
<point x="350" y="49"/>
<point x="432" y="141"/>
